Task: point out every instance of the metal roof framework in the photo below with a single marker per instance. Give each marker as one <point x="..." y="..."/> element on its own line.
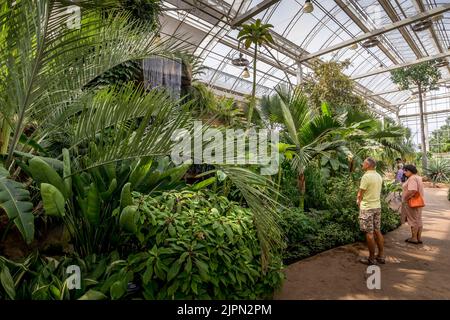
<point x="326" y="34"/>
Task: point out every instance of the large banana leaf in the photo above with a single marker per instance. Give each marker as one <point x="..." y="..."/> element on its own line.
<point x="163" y="177"/>
<point x="15" y="200"/>
<point x="53" y="200"/>
<point x="43" y="173"/>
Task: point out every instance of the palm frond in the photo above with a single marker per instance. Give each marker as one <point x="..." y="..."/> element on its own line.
<point x="317" y="128"/>
<point x="259" y="193"/>
<point x="128" y="124"/>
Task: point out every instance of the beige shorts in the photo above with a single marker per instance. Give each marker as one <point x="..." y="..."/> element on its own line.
<point x="370" y="220"/>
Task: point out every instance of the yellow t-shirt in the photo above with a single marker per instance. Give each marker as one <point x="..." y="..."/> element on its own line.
<point x="371" y="182"/>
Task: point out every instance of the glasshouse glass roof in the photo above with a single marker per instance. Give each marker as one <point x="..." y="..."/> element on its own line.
<point x="334" y="30"/>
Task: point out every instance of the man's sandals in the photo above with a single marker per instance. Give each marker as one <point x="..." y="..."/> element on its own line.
<point x="409" y="240"/>
<point x="371" y="261"/>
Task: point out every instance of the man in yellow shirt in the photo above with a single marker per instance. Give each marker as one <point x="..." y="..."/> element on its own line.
<point x="370" y="211"/>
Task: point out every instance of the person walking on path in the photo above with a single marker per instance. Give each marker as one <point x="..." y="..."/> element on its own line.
<point x="413" y="216"/>
<point x="399" y="177"/>
<point x="369" y="204"/>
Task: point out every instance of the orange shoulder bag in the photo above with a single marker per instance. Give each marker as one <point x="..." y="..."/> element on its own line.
<point x="416" y="201"/>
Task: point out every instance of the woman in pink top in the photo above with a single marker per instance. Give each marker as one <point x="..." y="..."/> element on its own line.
<point x="413" y="216"/>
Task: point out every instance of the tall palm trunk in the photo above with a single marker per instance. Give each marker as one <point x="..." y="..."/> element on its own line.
<point x="302" y="189"/>
<point x="280" y="175"/>
<point x="253" y="102"/>
<point x="422" y="129"/>
<point x="351" y="165"/>
<point x="5" y="131"/>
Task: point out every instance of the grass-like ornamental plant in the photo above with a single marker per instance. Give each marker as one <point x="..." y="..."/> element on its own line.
<point x="438" y="170"/>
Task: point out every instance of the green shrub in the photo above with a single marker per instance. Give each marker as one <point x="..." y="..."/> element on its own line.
<point x="390" y="219"/>
<point x="188" y="245"/>
<point x="202" y="246"/>
<point x="288" y="185"/>
<point x="298" y="226"/>
<point x="316" y="192"/>
<point x="341" y="193"/>
<point x="348" y="218"/>
<point x="336" y="227"/>
<point x="308" y="233"/>
<point x="332" y="235"/>
<point x="299" y="230"/>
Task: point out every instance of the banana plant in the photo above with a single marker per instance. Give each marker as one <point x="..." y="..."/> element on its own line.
<point x="11" y="275"/>
<point x="333" y="163"/>
<point x="96" y="204"/>
<point x="45" y="278"/>
<point x="15" y="201"/>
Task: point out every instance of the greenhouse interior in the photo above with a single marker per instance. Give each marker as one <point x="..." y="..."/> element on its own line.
<point x="224" y="150"/>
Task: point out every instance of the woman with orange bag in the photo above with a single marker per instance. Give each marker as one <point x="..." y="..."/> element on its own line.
<point x="412" y="203"/>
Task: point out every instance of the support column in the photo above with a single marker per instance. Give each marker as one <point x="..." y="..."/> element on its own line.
<point x="299" y="74"/>
<point x="425" y="124"/>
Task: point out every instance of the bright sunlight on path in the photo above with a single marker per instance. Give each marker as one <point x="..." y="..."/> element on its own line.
<point x="411" y="271"/>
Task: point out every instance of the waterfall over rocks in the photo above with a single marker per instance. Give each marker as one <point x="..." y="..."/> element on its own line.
<point x="161" y="72"/>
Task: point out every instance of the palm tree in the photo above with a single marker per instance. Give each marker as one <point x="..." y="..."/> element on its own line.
<point x="45" y="67"/>
<point x="425" y="77"/>
<point x="256" y="34"/>
<point x="308" y="135"/>
<point x="366" y="135"/>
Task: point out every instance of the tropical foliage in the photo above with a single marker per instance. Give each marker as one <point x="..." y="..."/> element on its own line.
<point x="339" y="142"/>
<point x="187" y="245"/>
<point x="220" y="110"/>
<point x="87" y="178"/>
<point x="333" y="223"/>
<point x="308" y="135"/>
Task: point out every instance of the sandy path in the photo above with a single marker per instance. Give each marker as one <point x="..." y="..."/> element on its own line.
<point x="411" y="271"/>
